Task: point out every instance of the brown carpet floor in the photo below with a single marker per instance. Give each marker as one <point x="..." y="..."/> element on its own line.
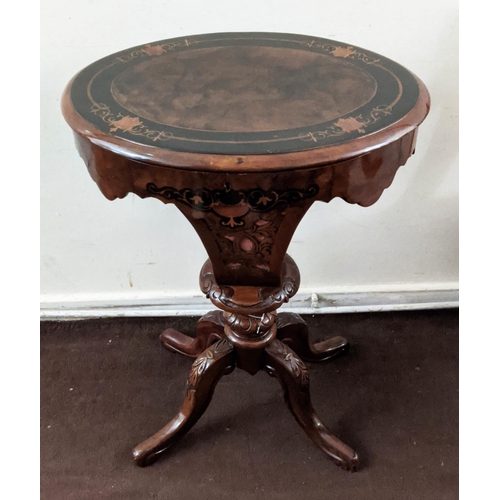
<point x="108" y="384"/>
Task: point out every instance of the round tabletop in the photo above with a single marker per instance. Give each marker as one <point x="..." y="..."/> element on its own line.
<point x="244" y="101"/>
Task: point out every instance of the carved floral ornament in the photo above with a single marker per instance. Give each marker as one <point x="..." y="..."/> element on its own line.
<point x="294" y="363"/>
<point x="203" y="361"/>
<point x="248" y="326"/>
<point x="223" y="294"/>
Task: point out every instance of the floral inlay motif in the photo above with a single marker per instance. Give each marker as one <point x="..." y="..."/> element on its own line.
<point x="342" y="51"/>
<point x="154" y="50"/>
<point x="232" y="205"/>
<point x="350" y="124"/>
<point x="126" y="123"/>
<point x="121" y="122"/>
<point x="130" y="124"/>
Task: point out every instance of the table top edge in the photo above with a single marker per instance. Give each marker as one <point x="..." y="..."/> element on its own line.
<point x="249" y="163"/>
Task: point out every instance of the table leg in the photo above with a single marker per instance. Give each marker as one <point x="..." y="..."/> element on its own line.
<point x="249" y="334"/>
<point x="209" y="329"/>
<point x="283" y="363"/>
<point x="293" y="331"/>
<point x="216" y="361"/>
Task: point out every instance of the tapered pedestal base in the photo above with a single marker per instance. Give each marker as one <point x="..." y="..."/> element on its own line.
<point x="250" y="336"/>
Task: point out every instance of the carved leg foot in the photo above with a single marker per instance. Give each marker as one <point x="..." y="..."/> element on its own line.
<point x="283" y="363"/>
<point x="209" y="329"/>
<point x="293" y="331"/>
<point x="216" y="361"/>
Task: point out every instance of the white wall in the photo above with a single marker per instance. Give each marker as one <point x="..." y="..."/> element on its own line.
<point x="96" y="251"/>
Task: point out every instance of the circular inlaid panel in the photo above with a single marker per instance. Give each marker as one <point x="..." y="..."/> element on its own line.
<point x="251" y="89"/>
<point x="243" y="93"/>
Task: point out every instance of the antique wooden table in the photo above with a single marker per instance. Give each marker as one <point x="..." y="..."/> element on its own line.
<point x="243" y="132"/>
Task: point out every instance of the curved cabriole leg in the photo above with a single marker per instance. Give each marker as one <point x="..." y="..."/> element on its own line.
<point x="294" y="332"/>
<point x="209" y="329"/>
<point x="283" y="363"/>
<point x="216" y="361"/>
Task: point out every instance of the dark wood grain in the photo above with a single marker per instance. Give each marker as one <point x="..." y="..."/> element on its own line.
<point x="208" y="368"/>
<point x="243" y="132"/>
<point x="244" y="101"/>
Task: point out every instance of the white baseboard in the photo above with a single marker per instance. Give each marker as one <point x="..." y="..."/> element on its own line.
<point x="395" y="298"/>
